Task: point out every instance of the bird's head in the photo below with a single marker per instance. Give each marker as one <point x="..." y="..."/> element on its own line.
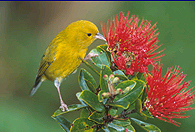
<point x="82" y="33"/>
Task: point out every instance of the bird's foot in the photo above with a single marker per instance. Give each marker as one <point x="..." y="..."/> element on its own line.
<point x="88" y="57"/>
<point x="64" y="107"/>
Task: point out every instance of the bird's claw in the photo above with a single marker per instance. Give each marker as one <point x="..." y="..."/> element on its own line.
<point x="64" y="107"/>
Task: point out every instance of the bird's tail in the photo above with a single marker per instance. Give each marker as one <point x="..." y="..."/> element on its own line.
<point x="37" y="84"/>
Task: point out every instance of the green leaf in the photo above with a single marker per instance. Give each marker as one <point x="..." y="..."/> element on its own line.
<point x="105" y="70"/>
<point x="140" y="76"/>
<point x="100" y="97"/>
<point x="82" y="102"/>
<point x="63" y="122"/>
<point x="121" y="104"/>
<point x="104" y="57"/>
<point x="124" y="84"/>
<point x="144" y="96"/>
<point x="86" y="81"/>
<point x="124" y="123"/>
<point x="118" y="125"/>
<point x="130" y="128"/>
<point x="71" y="108"/>
<point x="120" y="74"/>
<point x="128" y="83"/>
<point x="88" y="65"/>
<point x="146" y="113"/>
<point x="138" y="106"/>
<point x="146" y="126"/>
<point x="92" y="100"/>
<point x="131" y="96"/>
<point x="84" y="113"/>
<point x="106" y="129"/>
<point x="83" y="125"/>
<point x="114" y="129"/>
<point x="97" y="117"/>
<point x="113" y="111"/>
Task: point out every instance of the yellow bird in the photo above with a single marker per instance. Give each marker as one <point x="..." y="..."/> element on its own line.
<point x="64" y="54"/>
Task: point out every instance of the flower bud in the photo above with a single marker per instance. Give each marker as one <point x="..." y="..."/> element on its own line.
<point x="115" y="80"/>
<point x="127" y="89"/>
<point x="106" y="95"/>
<point x="119" y="91"/>
<point x="111" y="77"/>
<point x="105" y="77"/>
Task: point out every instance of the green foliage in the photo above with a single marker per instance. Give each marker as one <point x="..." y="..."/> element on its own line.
<point x="146" y="126"/>
<point x="86" y="81"/>
<point x="64" y="123"/>
<point x="107" y="107"/>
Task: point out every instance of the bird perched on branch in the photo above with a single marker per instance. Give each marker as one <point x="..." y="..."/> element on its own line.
<point x="64" y="54"/>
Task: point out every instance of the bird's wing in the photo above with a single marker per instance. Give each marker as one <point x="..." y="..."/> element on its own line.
<point x="47" y="59"/>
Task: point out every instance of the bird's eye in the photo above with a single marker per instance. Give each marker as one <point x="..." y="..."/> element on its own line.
<point x="89" y="34"/>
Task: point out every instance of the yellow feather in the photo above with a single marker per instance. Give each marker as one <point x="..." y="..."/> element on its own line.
<point x="62" y="56"/>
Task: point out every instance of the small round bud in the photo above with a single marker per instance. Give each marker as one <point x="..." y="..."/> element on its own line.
<point x="127" y="89"/>
<point x="111" y="77"/>
<point x="106" y="95"/>
<point x="115" y="80"/>
<point x="118" y="91"/>
<point x="105" y="77"/>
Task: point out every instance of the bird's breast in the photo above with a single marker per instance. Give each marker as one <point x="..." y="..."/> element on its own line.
<point x="65" y="63"/>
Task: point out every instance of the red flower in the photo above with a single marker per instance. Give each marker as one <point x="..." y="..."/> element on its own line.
<point x="131" y="44"/>
<point x="167" y="96"/>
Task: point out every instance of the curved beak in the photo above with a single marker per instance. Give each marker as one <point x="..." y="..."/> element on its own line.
<point x="99" y="36"/>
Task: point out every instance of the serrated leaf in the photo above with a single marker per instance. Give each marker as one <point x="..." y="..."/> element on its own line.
<point x="84" y="113"/>
<point x="71" y="108"/>
<point x="103" y="56"/>
<point x="83" y="125"/>
<point x="133" y="95"/>
<point x="86" y="81"/>
<point x="146" y="126"/>
<point x="97" y="117"/>
<point x="63" y="122"/>
<point x="92" y="100"/>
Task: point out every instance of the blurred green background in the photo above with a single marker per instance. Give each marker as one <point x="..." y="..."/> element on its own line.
<point x="28" y="27"/>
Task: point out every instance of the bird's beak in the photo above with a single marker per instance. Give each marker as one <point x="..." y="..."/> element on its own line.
<point x="99" y="36"/>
